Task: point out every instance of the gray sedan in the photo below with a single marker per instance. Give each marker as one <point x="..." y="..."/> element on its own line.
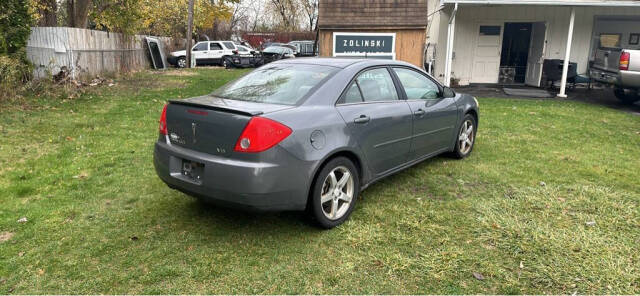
<point x="310" y="134"/>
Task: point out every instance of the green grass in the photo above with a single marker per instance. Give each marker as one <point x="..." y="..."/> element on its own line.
<point x="100" y="221"/>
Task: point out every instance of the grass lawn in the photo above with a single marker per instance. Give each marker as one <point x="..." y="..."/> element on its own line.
<point x="549" y="202"/>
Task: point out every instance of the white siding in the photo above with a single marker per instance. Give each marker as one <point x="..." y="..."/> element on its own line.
<point x="556" y="18"/>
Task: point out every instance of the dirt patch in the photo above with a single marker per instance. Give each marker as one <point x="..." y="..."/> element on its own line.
<point x="5" y="236"/>
<point x="182" y="73"/>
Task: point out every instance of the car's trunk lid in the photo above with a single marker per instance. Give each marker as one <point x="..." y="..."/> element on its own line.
<point x="212" y="125"/>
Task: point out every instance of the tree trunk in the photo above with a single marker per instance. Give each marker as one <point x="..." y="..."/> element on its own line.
<point x="47" y="10"/>
<point x="78" y="13"/>
<point x="189" y="33"/>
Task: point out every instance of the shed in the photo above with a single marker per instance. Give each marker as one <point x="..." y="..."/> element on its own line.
<point x="387" y="29"/>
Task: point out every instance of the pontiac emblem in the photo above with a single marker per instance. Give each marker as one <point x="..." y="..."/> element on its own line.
<point x="193" y="131"/>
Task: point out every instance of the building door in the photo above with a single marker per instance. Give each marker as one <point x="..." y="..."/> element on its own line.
<point x="486" y="59"/>
<point x="515" y="52"/>
<point x="536" y="54"/>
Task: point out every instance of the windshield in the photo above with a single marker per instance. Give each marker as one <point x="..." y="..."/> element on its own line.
<point x="274" y="49"/>
<point x="276" y="84"/>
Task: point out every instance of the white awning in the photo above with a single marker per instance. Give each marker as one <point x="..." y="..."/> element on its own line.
<point x="611" y="3"/>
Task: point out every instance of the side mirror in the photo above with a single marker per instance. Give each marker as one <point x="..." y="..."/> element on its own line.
<point x="447" y="92"/>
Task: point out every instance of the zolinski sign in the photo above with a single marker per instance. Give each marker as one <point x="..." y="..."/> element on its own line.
<point x="374" y="45"/>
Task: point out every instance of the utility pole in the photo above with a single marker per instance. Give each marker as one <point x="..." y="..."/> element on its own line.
<point x="189" y="33"/>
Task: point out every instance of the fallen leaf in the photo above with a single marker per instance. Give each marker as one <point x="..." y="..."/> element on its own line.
<point x="20" y="254"/>
<point x="521" y="264"/>
<point x="69" y="138"/>
<point x="40" y="271"/>
<point x="82" y="175"/>
<point x="5" y="236"/>
<point x="543" y="184"/>
<point x="478" y="276"/>
<point x="134" y="238"/>
<point x="23" y="220"/>
<point x="591" y="223"/>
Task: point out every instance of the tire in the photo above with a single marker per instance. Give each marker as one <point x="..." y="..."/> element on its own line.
<point x="181" y="62"/>
<point x="465" y="137"/>
<point x="626" y="96"/>
<point x="224" y="62"/>
<point x="339" y="202"/>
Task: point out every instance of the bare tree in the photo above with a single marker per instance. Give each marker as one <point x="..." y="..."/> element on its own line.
<point x="310" y="8"/>
<point x="287" y="12"/>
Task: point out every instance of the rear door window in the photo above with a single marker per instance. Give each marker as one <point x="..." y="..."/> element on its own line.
<point x="377" y="86"/>
<point x="352" y="95"/>
<point x="200" y="47"/>
<point x="216" y="46"/>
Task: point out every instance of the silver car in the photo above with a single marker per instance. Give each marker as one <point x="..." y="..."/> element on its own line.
<point x="310" y="134"/>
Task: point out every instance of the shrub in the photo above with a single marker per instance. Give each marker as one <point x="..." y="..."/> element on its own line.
<point x="15" y="22"/>
<point x="15" y="69"/>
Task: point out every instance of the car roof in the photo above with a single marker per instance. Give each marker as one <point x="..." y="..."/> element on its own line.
<point x="342" y="62"/>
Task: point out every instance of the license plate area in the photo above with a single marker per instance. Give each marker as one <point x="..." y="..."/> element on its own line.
<point x="187" y="170"/>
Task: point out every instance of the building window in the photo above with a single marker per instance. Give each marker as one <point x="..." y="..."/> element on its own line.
<point x="489" y="30"/>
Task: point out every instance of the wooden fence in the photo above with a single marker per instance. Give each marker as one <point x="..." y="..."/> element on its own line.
<point x="88" y="53"/>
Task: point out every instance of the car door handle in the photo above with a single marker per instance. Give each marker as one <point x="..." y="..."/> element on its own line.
<point x="205" y="52"/>
<point x="419" y="112"/>
<point x="362" y="119"/>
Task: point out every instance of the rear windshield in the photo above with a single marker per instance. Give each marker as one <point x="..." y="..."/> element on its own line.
<point x="274" y="49"/>
<point x="229" y="45"/>
<point x="283" y="84"/>
<point x="610" y="40"/>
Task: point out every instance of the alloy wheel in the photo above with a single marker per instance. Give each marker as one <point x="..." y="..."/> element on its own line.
<point x="337" y="193"/>
<point x="466" y="137"/>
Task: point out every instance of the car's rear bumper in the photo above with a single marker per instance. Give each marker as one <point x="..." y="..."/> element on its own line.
<point x="257" y="186"/>
<point x="623" y="79"/>
<point x="603" y="76"/>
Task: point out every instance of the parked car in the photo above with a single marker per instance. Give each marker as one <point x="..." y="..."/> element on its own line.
<point x="304" y="48"/>
<point x="204" y="53"/>
<point x="243" y="57"/>
<point x="269" y="44"/>
<point x="620" y="68"/>
<point x="310" y="134"/>
<point x="243" y="50"/>
<point x="275" y="53"/>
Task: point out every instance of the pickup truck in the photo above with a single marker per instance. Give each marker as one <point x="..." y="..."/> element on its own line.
<point x="620" y="68"/>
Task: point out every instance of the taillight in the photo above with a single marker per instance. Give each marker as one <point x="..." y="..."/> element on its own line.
<point x="163" y="121"/>
<point x="261" y="134"/>
<point x="624" y="60"/>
